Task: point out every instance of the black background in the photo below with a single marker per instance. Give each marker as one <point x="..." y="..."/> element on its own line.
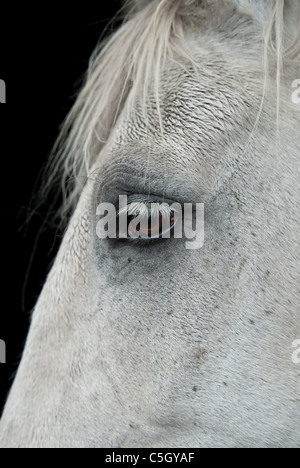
<point x="44" y="52"/>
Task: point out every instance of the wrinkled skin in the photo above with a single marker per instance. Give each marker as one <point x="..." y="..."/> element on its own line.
<point x="135" y="344"/>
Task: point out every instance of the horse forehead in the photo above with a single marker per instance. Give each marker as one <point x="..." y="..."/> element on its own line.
<point x="258" y="7"/>
<point x="197" y="104"/>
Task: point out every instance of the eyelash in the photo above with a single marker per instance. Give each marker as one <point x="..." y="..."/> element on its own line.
<point x="148" y="211"/>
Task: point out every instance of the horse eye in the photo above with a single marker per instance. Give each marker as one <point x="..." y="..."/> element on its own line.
<point x="153" y="227"/>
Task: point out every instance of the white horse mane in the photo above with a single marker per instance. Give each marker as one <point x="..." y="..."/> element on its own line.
<point x="123" y="68"/>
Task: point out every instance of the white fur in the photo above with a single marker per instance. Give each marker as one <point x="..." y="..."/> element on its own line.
<point x="160" y="346"/>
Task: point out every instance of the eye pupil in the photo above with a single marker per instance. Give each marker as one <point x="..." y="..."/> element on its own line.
<point x="152" y="230"/>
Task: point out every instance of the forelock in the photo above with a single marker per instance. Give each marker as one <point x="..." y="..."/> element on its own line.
<point x="130" y="62"/>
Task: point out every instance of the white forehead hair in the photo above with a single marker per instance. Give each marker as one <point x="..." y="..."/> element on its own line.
<point x="259" y="8"/>
<point x="129" y="63"/>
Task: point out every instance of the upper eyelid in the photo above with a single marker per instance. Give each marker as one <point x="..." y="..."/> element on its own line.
<point x="142" y="209"/>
